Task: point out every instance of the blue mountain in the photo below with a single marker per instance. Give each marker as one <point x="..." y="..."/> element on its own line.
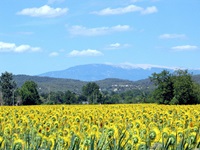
<point x="95" y="72"/>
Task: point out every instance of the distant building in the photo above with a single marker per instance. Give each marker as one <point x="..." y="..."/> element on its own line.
<point x="85" y="102"/>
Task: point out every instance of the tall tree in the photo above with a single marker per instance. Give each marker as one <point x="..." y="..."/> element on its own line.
<point x="8" y="86"/>
<point x="164" y="83"/>
<point x="29" y="93"/>
<point x="184" y="88"/>
<point x="92" y="92"/>
<point x="176" y="88"/>
<point x="55" y="97"/>
<point x="69" y="97"/>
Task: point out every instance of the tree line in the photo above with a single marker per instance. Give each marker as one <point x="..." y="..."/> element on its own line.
<point x="11" y="95"/>
<point x="170" y="88"/>
<point x="175" y="88"/>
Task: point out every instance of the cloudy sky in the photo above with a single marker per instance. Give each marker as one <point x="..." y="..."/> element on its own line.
<point x="37" y="36"/>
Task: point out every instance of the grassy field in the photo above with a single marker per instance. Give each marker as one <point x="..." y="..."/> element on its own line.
<point x="100" y="127"/>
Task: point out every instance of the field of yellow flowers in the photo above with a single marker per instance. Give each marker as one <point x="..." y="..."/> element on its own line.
<point x="100" y="127"/>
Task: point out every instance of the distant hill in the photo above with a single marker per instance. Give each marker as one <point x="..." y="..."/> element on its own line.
<point x="120" y="85"/>
<point x="95" y="72"/>
<point x="196" y="78"/>
<point x="47" y="84"/>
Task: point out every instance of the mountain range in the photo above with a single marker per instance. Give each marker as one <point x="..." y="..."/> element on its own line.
<point x="108" y="77"/>
<point x="95" y="72"/>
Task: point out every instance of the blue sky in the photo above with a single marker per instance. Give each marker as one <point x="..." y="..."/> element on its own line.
<point x="38" y="36"/>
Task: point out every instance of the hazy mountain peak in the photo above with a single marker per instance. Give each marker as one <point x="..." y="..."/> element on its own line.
<point x="141" y="66"/>
<point x="94" y="72"/>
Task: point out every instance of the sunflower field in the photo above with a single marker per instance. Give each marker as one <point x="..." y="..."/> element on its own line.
<point x="100" y="127"/>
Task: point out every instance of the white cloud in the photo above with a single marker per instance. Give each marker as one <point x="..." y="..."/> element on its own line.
<point x="7" y="46"/>
<point x="22" y="48"/>
<point x="11" y="47"/>
<point x="88" y="52"/>
<point x="184" y="48"/>
<point x="116" y="11"/>
<point x="83" y="31"/>
<point x="53" y="54"/>
<point x="44" y="11"/>
<point x="117" y="46"/>
<point x="172" y="36"/>
<point x="128" y="9"/>
<point x="149" y="10"/>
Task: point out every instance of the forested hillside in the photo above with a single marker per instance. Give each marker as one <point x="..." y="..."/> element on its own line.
<point x="47" y="84"/>
<point x="179" y="87"/>
<point x="196" y="78"/>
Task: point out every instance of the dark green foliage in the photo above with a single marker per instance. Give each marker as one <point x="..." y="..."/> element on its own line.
<point x="114" y="99"/>
<point x="82" y="98"/>
<point x="184" y="88"/>
<point x="47" y="84"/>
<point x="69" y="98"/>
<point x="60" y="97"/>
<point x="53" y="97"/>
<point x="196" y="89"/>
<point x="92" y="92"/>
<point x="29" y="93"/>
<point x="176" y="88"/>
<point x="164" y="83"/>
<point x="7" y="86"/>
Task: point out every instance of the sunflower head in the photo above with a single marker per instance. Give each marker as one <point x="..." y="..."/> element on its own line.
<point x="7" y="131"/>
<point x="156" y="132"/>
<point x="110" y="133"/>
<point x="77" y="119"/>
<point x="142" y="146"/>
<point x="135" y="139"/>
<point x="152" y="135"/>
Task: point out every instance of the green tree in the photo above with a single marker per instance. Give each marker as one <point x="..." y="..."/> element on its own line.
<point x="55" y="97"/>
<point x="176" y="88"/>
<point x="81" y="98"/>
<point x="184" y="88"/>
<point x="164" y="83"/>
<point x="8" y="86"/>
<point x="69" y="98"/>
<point x="197" y="92"/>
<point x="113" y="99"/>
<point x="29" y="93"/>
<point x="92" y="92"/>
